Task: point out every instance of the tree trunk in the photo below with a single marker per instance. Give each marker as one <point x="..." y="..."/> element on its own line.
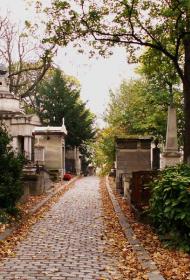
<point x="186" y="91"/>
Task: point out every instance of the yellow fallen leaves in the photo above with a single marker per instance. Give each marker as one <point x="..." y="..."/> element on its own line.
<point x="127" y="264"/>
<point x="172" y="264"/>
<point x="7" y="246"/>
<point x="2" y="228"/>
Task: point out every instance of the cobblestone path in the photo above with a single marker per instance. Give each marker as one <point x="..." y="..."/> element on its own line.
<point x="67" y="243"/>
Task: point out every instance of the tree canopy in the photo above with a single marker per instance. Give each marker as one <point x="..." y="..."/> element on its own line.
<point x="138" y="110"/>
<point x="141" y="109"/>
<point x="58" y="96"/>
<point x="160" y="72"/>
<point x="160" y="24"/>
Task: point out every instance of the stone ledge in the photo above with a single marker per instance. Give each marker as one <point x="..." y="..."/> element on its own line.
<point x="142" y="255"/>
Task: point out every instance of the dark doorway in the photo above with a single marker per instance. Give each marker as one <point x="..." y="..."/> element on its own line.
<point x="21" y="144"/>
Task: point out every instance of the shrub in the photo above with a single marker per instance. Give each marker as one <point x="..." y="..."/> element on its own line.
<point x="170" y="206"/>
<point x="11" y="166"/>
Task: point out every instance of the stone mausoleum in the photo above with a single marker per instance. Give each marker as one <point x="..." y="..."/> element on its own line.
<point x="132" y="154"/>
<point x="19" y="125"/>
<point x="43" y="146"/>
<point x="49" y="148"/>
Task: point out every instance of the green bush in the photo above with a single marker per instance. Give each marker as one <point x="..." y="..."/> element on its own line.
<point x="11" y="166"/>
<point x="170" y="206"/>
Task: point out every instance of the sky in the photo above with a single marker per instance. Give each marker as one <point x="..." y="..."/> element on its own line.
<point x="97" y="75"/>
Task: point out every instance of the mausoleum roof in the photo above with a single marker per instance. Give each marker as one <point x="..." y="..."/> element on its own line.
<point x="47" y="130"/>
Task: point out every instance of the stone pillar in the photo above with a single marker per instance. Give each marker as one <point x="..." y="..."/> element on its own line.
<point x="28" y="147"/>
<point x="15" y="144"/>
<point x="126" y="185"/>
<point x="171" y="156"/>
<point x="39" y="154"/>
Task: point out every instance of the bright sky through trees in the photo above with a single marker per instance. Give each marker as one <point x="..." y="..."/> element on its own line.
<point x="96" y="76"/>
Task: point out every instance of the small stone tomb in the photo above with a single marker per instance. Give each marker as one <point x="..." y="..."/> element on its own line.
<point x="132" y="154"/>
<point x="50" y="148"/>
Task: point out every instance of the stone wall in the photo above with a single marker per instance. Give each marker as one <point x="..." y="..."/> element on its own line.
<point x="132" y="155"/>
<point x="53" y="150"/>
<point x="36" y="184"/>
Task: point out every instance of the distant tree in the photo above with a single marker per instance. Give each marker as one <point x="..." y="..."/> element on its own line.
<point x="103" y="149"/>
<point x="58" y="96"/>
<point x="86" y="151"/>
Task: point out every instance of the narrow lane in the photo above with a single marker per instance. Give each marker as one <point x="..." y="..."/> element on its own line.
<point x="67" y="243"/>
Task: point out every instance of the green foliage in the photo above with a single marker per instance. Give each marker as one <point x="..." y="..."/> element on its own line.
<point x="86" y="155"/>
<point x="170" y="206"/>
<point x="138" y="111"/>
<point x="158" y="69"/>
<point x="104" y="148"/>
<point x="162" y="26"/>
<point x="10" y="172"/>
<point x="141" y="109"/>
<point x="104" y="152"/>
<point x="164" y="84"/>
<point x="131" y="24"/>
<point x="59" y="96"/>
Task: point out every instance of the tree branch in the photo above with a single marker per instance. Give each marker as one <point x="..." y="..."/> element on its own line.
<point x="28" y="92"/>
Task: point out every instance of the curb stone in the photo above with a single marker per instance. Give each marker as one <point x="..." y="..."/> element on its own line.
<point x="10" y="230"/>
<point x="142" y="255"/>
